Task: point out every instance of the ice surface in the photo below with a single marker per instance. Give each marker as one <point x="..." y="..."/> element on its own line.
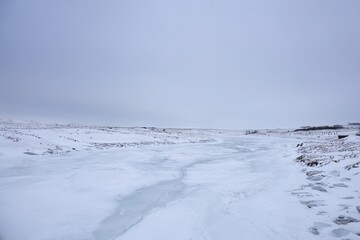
<point x="167" y="184"/>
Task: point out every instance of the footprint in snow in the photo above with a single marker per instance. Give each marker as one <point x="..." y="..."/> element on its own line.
<point x="312" y="173"/>
<point x="335" y="173"/>
<point x="302" y="194"/>
<point x="318" y="226"/>
<point x="316" y="177"/>
<point x="345" y="179"/>
<point x="339" y="185"/>
<point x="340" y="232"/>
<point x="343" y="207"/>
<point x="313" y="203"/>
<point x="319" y="188"/>
<point x="321" y="213"/>
<point x="349" y="197"/>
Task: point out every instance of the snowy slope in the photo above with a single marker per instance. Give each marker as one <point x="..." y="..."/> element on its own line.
<point x="34" y="138"/>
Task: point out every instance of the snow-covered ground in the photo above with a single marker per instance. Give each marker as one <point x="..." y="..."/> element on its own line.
<point x="100" y="183"/>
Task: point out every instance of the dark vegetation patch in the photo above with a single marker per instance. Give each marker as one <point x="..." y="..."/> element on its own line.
<point x="30" y="153"/>
<point x="308" y="128"/>
<point x="309" y="161"/>
<point x="251" y="132"/>
<point x="355" y="165"/>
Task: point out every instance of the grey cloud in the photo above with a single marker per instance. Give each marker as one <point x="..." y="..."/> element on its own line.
<point x="222" y="64"/>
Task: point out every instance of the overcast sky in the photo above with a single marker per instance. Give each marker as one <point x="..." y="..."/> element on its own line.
<point x="182" y="63"/>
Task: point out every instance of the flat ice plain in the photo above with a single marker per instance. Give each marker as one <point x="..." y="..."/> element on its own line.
<point x="74" y="183"/>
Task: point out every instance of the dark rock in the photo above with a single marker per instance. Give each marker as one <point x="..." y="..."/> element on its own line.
<point x="312" y="163"/>
<point x="314" y="231"/>
<point x="300" y="158"/>
<point x="343" y="220"/>
<point x="342" y="136"/>
<point x="358" y="209"/>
